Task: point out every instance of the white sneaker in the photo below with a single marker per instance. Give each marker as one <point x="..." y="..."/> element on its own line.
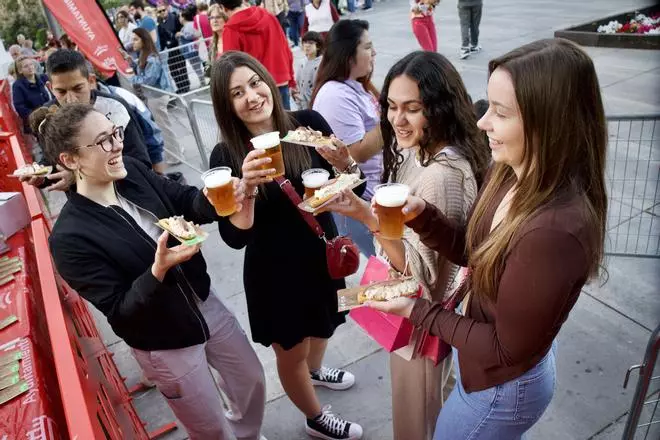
<point x="465" y="52"/>
<point x="330" y="427"/>
<point x="332" y="378"/>
<point x="475" y="49"/>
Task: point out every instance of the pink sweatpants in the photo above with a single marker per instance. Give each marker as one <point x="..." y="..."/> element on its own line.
<point x="184" y="378"/>
<point x="424" y="30"/>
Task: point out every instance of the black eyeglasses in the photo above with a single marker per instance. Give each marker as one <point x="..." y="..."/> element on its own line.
<point x="160" y="11"/>
<point x="107" y="142"/>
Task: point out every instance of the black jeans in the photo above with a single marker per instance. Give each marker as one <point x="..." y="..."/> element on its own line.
<point x="470" y="17"/>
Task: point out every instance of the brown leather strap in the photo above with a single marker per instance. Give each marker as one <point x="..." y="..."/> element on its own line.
<point x="291" y="193"/>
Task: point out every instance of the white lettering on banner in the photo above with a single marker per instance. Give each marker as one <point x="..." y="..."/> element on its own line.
<point x="28" y="371"/>
<point x="100" y="49"/>
<point x="80" y="18"/>
<point x="42" y="429"/>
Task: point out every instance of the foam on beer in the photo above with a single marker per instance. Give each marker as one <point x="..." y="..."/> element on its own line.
<point x="217" y="178"/>
<point x="267" y="140"/>
<point x="392" y="196"/>
<point x="315" y="180"/>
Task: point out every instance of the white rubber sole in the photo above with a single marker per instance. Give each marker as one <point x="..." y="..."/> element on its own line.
<point x="333" y="386"/>
<point x="315" y="433"/>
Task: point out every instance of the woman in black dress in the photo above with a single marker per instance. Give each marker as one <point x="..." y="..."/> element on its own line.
<point x="291" y="299"/>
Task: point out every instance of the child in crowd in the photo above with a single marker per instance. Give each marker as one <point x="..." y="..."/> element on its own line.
<point x="312" y="43"/>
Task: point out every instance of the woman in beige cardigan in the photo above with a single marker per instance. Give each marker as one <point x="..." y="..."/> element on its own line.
<point x="433" y="145"/>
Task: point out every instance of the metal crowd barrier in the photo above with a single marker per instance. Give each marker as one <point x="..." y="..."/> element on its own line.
<point x="633" y="186"/>
<point x="644" y="418"/>
<point x="185" y="65"/>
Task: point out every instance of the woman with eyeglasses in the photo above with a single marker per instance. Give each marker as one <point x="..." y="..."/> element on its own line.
<point x="217" y="19"/>
<point x="155" y="292"/>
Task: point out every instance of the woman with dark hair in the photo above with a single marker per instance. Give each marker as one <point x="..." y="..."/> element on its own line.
<point x="433" y="146"/>
<point x="149" y="70"/>
<point x="320" y="15"/>
<point x="187" y="35"/>
<point x="154" y="291"/>
<point x="533" y="239"/>
<point x="291" y="298"/>
<point x="346" y="98"/>
<point x="125" y="28"/>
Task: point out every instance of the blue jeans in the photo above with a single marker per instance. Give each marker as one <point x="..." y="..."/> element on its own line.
<point x="358" y="232"/>
<point x="504" y="411"/>
<point x="350" y="5"/>
<point x="286" y="98"/>
<point x="296" y="21"/>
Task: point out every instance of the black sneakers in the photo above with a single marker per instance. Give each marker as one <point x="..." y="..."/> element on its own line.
<point x="333" y="378"/>
<point x="330" y="427"/>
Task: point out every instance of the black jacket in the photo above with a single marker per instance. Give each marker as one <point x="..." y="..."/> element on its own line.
<point x="121" y="113"/>
<point x="104" y="255"/>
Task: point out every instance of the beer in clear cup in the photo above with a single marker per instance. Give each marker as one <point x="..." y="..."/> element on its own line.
<point x="270" y="143"/>
<point x="313" y="179"/>
<point x="220" y="189"/>
<point x="390" y="198"/>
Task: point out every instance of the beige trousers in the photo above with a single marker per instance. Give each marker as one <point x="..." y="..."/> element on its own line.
<point x="419" y="389"/>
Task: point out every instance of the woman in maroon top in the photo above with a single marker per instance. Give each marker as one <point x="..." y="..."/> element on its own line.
<point x="534" y="238"/>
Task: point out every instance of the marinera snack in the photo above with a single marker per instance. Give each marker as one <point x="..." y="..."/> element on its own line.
<point x="183" y="230"/>
<point x="308" y="136"/>
<point x="389" y="290"/>
<point x="33" y="169"/>
<point x="327" y="192"/>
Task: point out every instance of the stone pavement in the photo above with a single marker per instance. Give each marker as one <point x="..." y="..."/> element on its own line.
<point x="609" y="327"/>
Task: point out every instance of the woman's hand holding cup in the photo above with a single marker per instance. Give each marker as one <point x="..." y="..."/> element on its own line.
<point x="254" y="173"/>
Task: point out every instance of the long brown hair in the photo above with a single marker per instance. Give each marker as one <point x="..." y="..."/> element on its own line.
<point x="215" y="8"/>
<point x="341" y="45"/>
<point x="447" y="108"/>
<point x="235" y="134"/>
<point x="565" y="133"/>
<point x="148" y="46"/>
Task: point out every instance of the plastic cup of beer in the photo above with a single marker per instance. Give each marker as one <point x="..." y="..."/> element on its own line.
<point x="270" y="143"/>
<point x="313" y="179"/>
<point x="220" y="189"/>
<point x="390" y="198"/>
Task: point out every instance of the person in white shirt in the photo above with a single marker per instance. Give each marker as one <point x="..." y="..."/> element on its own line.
<point x="125" y="29"/>
<point x="320" y="15"/>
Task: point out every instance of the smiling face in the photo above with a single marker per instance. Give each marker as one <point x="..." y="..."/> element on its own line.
<point x="405" y="112"/>
<point x="503" y="122"/>
<point x="365" y="55"/>
<point x="91" y="160"/>
<point x="251" y="98"/>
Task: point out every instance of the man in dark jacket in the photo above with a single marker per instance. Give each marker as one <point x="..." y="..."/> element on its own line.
<point x="70" y="81"/>
<point x="168" y="26"/>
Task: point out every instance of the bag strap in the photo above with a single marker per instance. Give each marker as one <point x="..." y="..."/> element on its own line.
<point x="291" y="193"/>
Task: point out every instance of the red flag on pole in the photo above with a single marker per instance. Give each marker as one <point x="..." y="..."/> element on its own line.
<point x="85" y="23"/>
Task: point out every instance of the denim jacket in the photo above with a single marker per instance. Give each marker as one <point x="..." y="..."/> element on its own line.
<point x="153" y="74"/>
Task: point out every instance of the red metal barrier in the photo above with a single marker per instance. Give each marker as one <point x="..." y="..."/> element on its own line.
<point x="97" y="403"/>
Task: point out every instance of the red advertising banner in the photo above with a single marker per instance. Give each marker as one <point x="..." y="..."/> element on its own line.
<point x="85" y="23"/>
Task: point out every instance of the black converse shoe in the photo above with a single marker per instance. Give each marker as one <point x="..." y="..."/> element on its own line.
<point x="332" y="378"/>
<point x="330" y="427"/>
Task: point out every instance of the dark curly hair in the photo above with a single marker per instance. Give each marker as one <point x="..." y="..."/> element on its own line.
<point x="447" y="108"/>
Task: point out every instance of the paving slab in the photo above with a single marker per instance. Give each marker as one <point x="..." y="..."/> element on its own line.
<point x="595" y="348"/>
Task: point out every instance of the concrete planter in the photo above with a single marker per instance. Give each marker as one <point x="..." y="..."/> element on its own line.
<point x="586" y="35"/>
